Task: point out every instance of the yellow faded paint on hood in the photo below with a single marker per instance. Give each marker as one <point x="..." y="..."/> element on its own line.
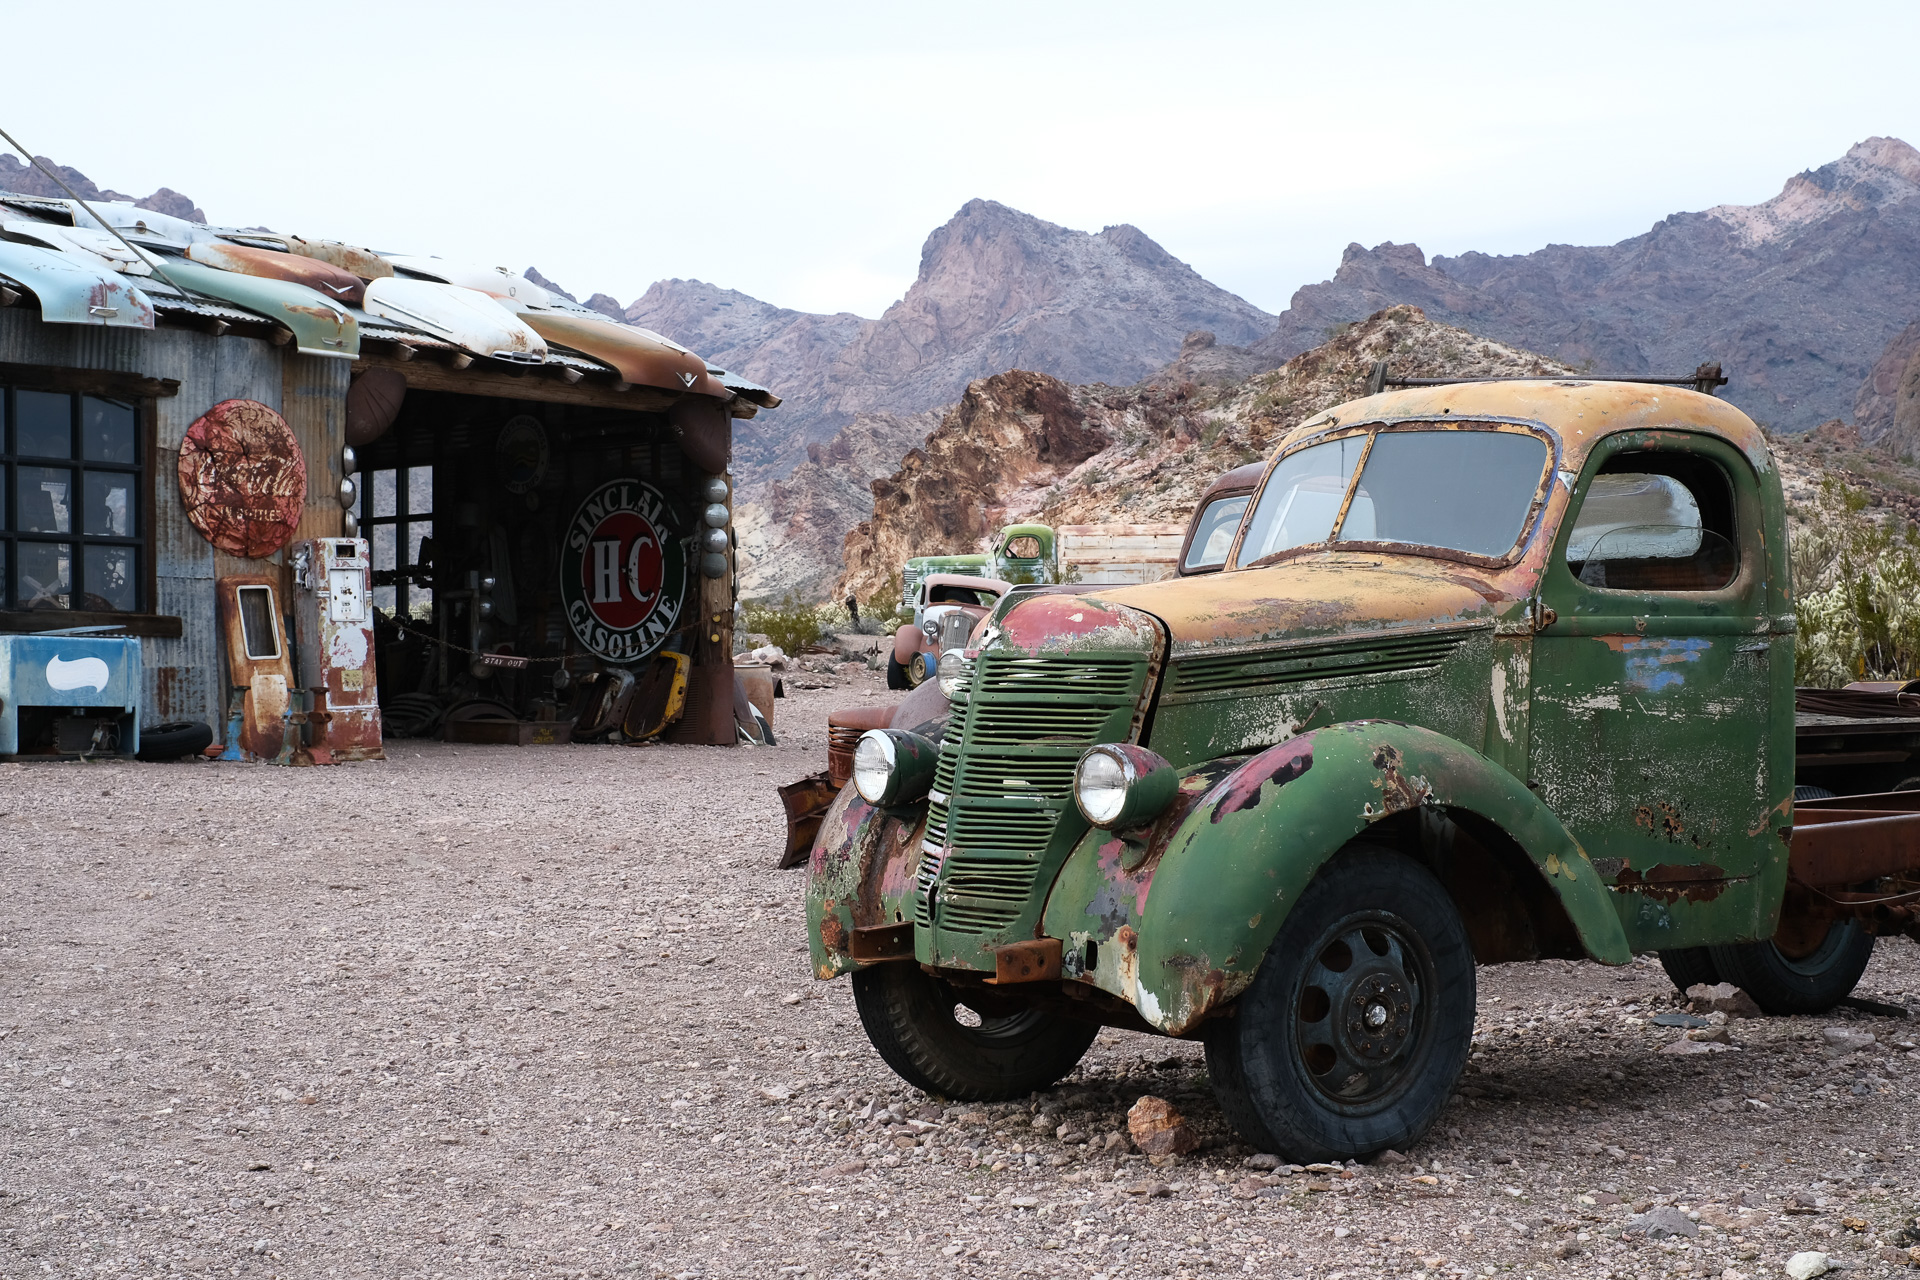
<point x="1326" y="594"/>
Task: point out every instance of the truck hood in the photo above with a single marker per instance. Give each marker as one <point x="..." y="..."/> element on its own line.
<point x="1318" y="596"/>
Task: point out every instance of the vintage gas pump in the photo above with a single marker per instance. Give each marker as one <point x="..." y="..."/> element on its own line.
<point x="333" y="630"/>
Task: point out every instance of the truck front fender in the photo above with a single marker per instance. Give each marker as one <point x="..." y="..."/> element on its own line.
<point x="860" y="880"/>
<point x="1182" y="918"/>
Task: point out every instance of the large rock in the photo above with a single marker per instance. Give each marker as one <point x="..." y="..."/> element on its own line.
<point x="1158" y="1129"/>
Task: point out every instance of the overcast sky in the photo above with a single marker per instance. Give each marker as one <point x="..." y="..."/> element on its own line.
<point x="801" y="153"/>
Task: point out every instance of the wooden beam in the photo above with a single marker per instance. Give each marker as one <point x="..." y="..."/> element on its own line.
<point x="93" y="382"/>
<point x="153" y="626"/>
<point x="431" y="375"/>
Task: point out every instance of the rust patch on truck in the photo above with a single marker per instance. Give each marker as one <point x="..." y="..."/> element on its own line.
<point x="1398" y="791"/>
<point x="1668" y="882"/>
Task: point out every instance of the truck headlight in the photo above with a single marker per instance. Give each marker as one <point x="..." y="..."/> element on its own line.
<point x="892" y="766"/>
<point x="952" y="673"/>
<point x="1118" y="785"/>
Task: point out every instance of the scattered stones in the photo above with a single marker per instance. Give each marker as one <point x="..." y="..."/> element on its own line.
<point x="1158" y="1129"/>
<point x="1389" y="1156"/>
<point x="1678" y="1020"/>
<point x="848" y="1168"/>
<point x="1805" y="1266"/>
<point x="1150" y="1190"/>
<point x="1710" y="1035"/>
<point x="1265" y="1160"/>
<point x="1659" y="1223"/>
<point x="1846" y="1040"/>
<point x="1684" y="1047"/>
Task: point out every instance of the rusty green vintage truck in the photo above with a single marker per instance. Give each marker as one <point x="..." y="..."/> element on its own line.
<point x="1495" y="671"/>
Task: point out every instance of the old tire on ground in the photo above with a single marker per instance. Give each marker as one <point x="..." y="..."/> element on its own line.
<point x="171" y="741"/>
<point x="919" y="669"/>
<point x="1357" y="1025"/>
<point x="1688" y="966"/>
<point x="1809" y="983"/>
<point x="914" y="1020"/>
<point x="896" y="674"/>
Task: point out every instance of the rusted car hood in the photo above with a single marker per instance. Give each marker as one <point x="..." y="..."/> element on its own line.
<point x="1314" y="596"/>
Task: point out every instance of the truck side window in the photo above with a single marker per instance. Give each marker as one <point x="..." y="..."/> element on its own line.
<point x="1213" y="535"/>
<point x="1652" y="522"/>
<point x="1024" y="547"/>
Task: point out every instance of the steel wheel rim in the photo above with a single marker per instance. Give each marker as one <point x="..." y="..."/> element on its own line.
<point x="996" y="1029"/>
<point x="1361" y="1011"/>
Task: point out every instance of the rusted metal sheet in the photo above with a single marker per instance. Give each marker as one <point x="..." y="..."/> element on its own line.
<point x="242" y="478"/>
<point x="1035" y="961"/>
<point x="73" y="290"/>
<point x="321" y="326"/>
<point x="806" y="803"/>
<point x="1848" y="840"/>
<point x="259" y="670"/>
<point x="323" y="278"/>
<point x="465" y="317"/>
<point x="1112" y="554"/>
<point x="364" y="263"/>
<point x="641" y="356"/>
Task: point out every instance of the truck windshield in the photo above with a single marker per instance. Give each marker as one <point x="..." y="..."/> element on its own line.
<point x="1467" y="491"/>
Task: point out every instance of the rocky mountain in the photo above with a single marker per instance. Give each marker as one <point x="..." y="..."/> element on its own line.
<point x="17" y="175"/>
<point x="1797" y="297"/>
<point x="1024" y="446"/>
<point x="790" y="532"/>
<point x="997" y="289"/>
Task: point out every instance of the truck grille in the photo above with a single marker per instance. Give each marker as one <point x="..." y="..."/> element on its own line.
<point x="1002" y="816"/>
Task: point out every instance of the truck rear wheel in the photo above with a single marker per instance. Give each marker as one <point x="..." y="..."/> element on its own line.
<point x="1818" y="975"/>
<point x="1688" y="966"/>
<point x="964" y="1047"/>
<point x="1359" y="1021"/>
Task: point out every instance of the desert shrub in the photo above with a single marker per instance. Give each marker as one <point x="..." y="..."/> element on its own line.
<point x="1857" y="579"/>
<point x="790" y="622"/>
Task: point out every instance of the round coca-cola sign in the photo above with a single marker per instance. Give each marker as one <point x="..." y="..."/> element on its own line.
<point x="623" y="571"/>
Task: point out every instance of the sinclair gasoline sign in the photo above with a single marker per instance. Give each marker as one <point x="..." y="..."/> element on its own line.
<point x="623" y="572"/>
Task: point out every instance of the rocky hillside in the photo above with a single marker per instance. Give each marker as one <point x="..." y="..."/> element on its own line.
<point x="790" y="532"/>
<point x="1025" y="446"/>
<point x="1797" y="297"/>
<point x="18" y="175"/>
<point x="997" y="289"/>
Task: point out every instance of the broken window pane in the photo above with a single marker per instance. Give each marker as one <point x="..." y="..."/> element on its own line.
<point x="109" y="511"/>
<point x="45" y="578"/>
<point x="44" y="503"/>
<point x="257" y="631"/>
<point x="109" y="578"/>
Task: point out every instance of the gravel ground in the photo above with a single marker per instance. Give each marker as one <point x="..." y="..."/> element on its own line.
<point x="483" y="1011"/>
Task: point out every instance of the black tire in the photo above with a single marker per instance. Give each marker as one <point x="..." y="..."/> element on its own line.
<point x="171" y="741"/>
<point x="1373" y="932"/>
<point x="1688" y="966"/>
<point x="913" y="1019"/>
<point x="896" y="674"/>
<point x="1814" y="983"/>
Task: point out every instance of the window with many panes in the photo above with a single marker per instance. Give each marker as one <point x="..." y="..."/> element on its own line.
<point x="70" y="507"/>
<point x="395" y="510"/>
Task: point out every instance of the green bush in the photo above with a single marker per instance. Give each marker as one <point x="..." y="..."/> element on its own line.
<point x="1857" y="582"/>
<point x="791" y="623"/>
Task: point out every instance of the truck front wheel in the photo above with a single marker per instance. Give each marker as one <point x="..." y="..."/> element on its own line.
<point x="1359" y="1021"/>
<point x="965" y="1047"/>
<point x="1811" y="976"/>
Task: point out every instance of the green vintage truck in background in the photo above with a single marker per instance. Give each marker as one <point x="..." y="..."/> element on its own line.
<point x="1494" y="671"/>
